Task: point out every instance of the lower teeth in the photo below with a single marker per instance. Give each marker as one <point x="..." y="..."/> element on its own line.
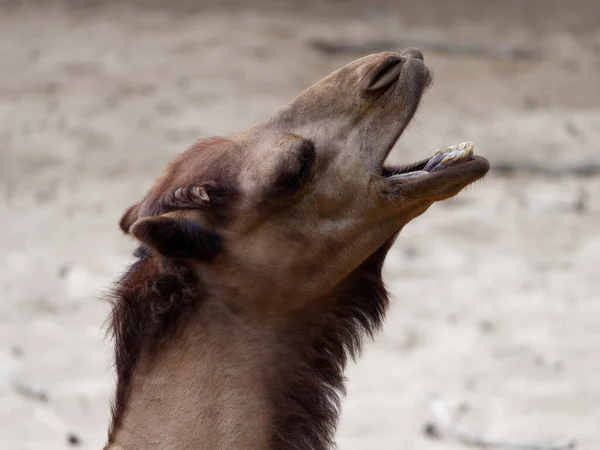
<point x="449" y="156"/>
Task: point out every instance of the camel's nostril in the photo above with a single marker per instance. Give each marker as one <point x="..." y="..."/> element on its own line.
<point x="385" y="74"/>
<point x="412" y="52"/>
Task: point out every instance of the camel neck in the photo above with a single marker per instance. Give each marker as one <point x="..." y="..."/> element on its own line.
<point x="204" y="389"/>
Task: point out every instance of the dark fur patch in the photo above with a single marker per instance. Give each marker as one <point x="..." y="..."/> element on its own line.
<point x="148" y="304"/>
<point x="177" y="238"/>
<point x="308" y="392"/>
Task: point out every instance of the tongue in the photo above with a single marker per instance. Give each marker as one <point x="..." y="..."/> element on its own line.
<point x="434" y="162"/>
<point x="409" y="175"/>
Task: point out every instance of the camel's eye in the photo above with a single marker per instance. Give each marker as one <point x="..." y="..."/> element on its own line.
<point x="297" y="168"/>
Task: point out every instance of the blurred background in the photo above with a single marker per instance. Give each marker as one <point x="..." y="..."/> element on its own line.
<point x="496" y="294"/>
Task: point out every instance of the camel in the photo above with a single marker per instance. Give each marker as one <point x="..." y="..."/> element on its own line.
<point x="258" y="270"/>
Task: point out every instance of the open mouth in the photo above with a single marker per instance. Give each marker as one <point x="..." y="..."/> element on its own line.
<point x="443" y="159"/>
<point x="449" y="169"/>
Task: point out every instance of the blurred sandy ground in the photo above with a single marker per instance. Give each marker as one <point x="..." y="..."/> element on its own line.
<point x="497" y="293"/>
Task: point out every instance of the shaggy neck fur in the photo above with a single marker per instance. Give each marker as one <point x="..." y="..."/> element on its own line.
<point x="305" y="382"/>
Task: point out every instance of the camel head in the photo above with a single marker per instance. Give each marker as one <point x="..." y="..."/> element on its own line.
<point x="293" y="205"/>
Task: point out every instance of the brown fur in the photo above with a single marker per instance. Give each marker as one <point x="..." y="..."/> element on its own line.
<point x="149" y="301"/>
<point x="259" y="269"/>
<point x="307" y="399"/>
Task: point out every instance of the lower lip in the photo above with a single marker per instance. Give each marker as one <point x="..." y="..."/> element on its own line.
<point x="476" y="161"/>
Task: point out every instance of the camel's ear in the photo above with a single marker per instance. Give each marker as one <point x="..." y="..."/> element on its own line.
<point x="128" y="218"/>
<point x="175" y="235"/>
